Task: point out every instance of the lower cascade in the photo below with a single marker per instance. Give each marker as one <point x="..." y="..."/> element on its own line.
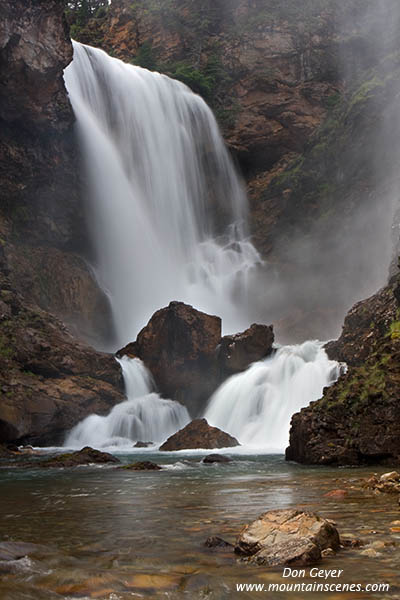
<point x="144" y="416"/>
<point x="256" y="406"/>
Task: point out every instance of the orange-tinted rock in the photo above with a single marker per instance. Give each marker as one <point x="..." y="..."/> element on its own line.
<point x="199" y="434"/>
<point x="287" y="537"/>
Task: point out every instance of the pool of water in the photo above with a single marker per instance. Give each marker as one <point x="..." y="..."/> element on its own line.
<point x="115" y="534"/>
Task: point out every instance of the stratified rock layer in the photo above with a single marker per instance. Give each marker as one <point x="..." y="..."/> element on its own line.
<point x="287" y="537"/>
<point x="199" y="434"/>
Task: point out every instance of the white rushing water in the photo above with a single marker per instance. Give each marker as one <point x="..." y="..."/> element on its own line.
<point x="168" y="216"/>
<point x="168" y="212"/>
<point x="143" y="417"/>
<point x="256" y="406"/>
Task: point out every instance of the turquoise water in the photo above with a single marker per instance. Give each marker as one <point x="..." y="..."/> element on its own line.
<point x="115" y="534"/>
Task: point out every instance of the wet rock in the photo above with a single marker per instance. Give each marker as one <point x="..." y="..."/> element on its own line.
<point x="393" y="476"/>
<point x="217" y="543"/>
<point x="144" y="465"/>
<point x="199" y="434"/>
<point x="287" y="537"/>
<point x="238" y="351"/>
<point x="370" y="552"/>
<point x="86" y="456"/>
<point x="348" y="540"/>
<point x="215" y="458"/>
<point x="143" y="444"/>
<point x="386" y="484"/>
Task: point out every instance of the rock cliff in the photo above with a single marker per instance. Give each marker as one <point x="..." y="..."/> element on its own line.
<point x="42" y="222"/>
<point x="356" y="421"/>
<point x="48" y="380"/>
<point x="305" y="93"/>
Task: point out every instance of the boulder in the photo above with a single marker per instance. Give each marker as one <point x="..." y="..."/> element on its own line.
<point x="86" y="456"/>
<point x="215" y="458"/>
<point x="199" y="434"/>
<point x="183" y="349"/>
<point x="178" y="345"/>
<point x="238" y="351"/>
<point x="287" y="537"/>
<point x="144" y="465"/>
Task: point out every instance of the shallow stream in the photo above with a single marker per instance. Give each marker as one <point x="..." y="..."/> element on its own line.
<point x="116" y="535"/>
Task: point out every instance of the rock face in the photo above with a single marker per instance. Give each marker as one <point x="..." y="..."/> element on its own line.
<point x="287" y="537"/>
<point x="85" y="456"/>
<point x="356" y="421"/>
<point x="199" y="434"/>
<point x="42" y="220"/>
<point x="48" y="380"/>
<point x="187" y="357"/>
<point x="306" y="94"/>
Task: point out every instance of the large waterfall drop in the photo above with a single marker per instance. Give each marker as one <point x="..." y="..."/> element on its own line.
<point x="168" y="212"/>
<point x="168" y="217"/>
<point x="256" y="406"/>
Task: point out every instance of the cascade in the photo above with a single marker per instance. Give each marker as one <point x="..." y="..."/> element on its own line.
<point x="168" y="217"/>
<point x="143" y="416"/>
<point x="167" y="210"/>
<point x="256" y="406"/>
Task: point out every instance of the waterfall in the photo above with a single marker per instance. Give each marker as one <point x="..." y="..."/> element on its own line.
<point x="144" y="416"/>
<point x="256" y="406"/>
<point x="167" y="211"/>
<point x="168" y="217"/>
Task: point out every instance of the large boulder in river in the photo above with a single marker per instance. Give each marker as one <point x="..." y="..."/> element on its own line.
<point x="178" y="345"/>
<point x="183" y="349"/>
<point x="199" y="434"/>
<point x="238" y="351"/>
<point x="287" y="537"/>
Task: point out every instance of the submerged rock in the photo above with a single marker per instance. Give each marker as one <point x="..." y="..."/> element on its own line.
<point x="85" y="456"/>
<point x="143" y="444"/>
<point x="215" y="458"/>
<point x="16" y="550"/>
<point x="145" y="465"/>
<point x="287" y="537"/>
<point x="199" y="434"/>
<point x="217" y="543"/>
